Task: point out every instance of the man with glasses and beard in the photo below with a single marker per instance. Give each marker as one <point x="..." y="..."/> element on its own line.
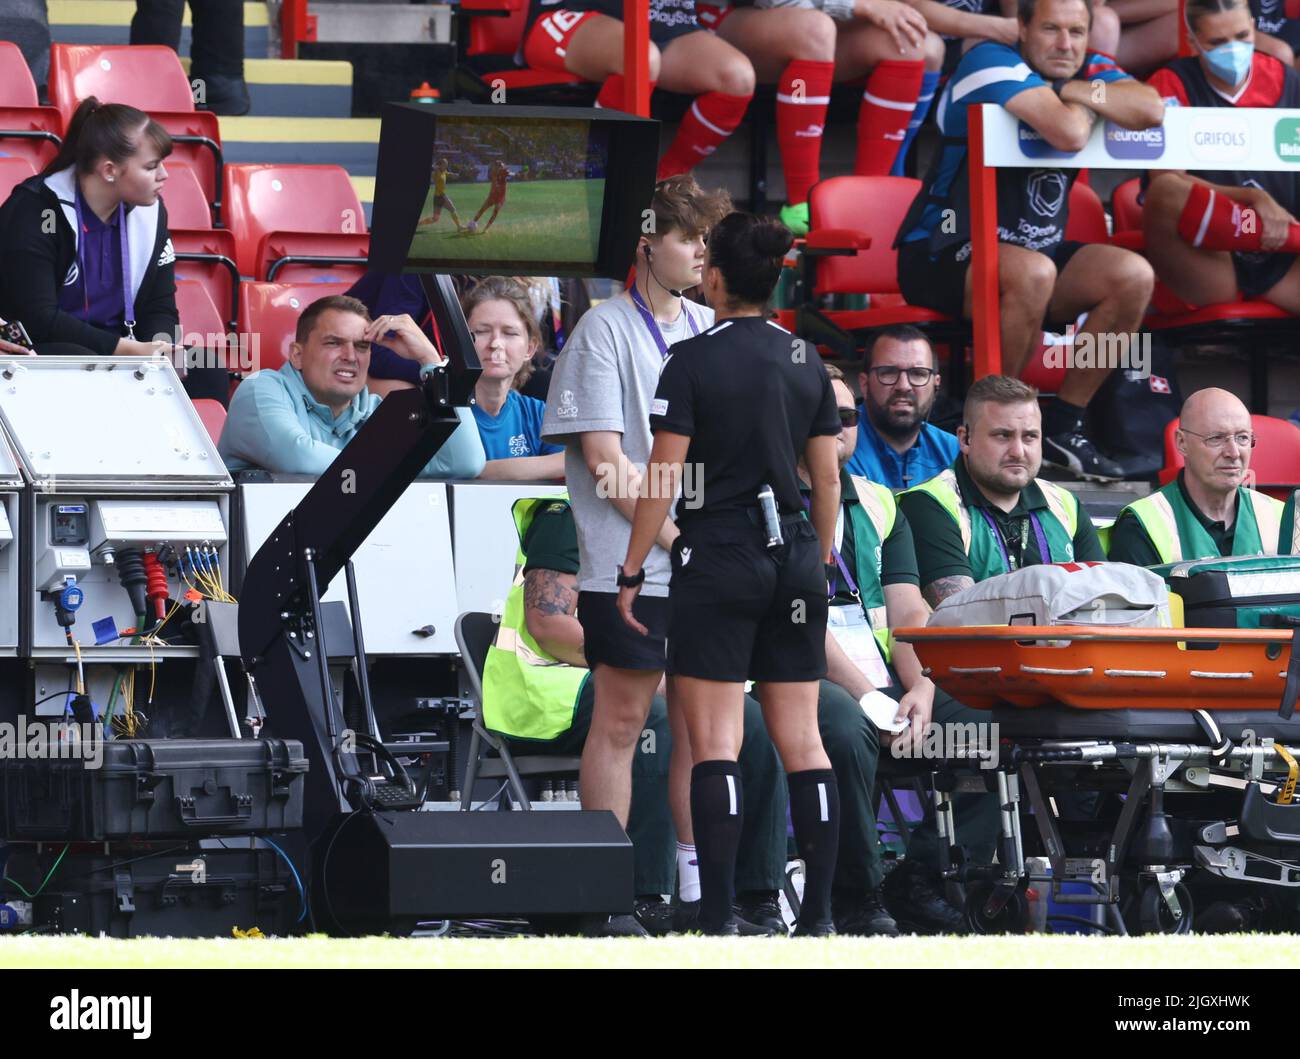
<point x="899" y="380"/>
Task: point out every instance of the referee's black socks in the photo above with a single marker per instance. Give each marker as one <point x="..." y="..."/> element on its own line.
<point x="815" y="813"/>
<point x="717" y="811"/>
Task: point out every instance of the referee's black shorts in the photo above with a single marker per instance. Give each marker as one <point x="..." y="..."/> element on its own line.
<point x="608" y="640"/>
<point x="741" y="612"/>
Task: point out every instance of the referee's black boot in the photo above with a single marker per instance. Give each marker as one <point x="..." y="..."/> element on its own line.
<point x="824" y="929"/>
<point x="612" y="927"/>
<point x="762" y="908"/>
<point x="915" y="898"/>
<point x="863" y="915"/>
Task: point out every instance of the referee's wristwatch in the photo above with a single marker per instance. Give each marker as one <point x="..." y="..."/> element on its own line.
<point x="630" y="580"/>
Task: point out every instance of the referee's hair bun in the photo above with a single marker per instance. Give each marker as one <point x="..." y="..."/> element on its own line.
<point x="771" y="238"/>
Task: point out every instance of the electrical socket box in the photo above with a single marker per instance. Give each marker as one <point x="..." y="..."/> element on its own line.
<point x="152" y="523"/>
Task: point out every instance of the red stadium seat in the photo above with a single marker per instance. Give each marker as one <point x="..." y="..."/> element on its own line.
<point x="270" y="312"/>
<point x="849" y="251"/>
<point x="213" y="414"/>
<point x="151" y="78"/>
<point x="198" y="312"/>
<point x="207" y="256"/>
<point x="280" y="212"/>
<point x="1125" y="208"/>
<point x="490" y="35"/>
<point x="1087" y="221"/>
<point x="13" y="171"/>
<point x="27" y="129"/>
<point x="1275" y="459"/>
<point x="187" y="206"/>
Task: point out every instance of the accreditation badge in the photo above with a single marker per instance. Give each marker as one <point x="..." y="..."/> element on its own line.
<point x="852" y="631"/>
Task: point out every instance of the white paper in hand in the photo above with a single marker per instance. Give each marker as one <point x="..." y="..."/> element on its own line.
<point x="881" y="710"/>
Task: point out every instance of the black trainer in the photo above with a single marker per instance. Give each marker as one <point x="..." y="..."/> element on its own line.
<point x="686" y="916"/>
<point x="1074" y="453"/>
<point x="915" y="898"/>
<point x="824" y="929"/>
<point x="762" y="908"/>
<point x="864" y="916"/>
<point x="654" y="914"/>
<point x="612" y="927"/>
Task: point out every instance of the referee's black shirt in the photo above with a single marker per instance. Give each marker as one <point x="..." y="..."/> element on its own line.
<point x="749" y="395"/>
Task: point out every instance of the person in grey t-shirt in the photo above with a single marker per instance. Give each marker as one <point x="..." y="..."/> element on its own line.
<point x="598" y="408"/>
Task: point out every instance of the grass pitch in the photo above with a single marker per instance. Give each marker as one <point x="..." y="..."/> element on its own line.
<point x="542" y="220"/>
<point x="1206" y="951"/>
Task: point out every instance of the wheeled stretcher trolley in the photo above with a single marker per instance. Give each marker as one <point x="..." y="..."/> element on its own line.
<point x="1150" y="764"/>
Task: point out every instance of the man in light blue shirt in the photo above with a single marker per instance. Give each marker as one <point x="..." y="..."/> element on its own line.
<point x="899" y="381"/>
<point x="296" y="419"/>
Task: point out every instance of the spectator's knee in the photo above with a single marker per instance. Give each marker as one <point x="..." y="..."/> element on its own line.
<point x="1134" y="279"/>
<point x="736" y="76"/>
<point x="1166" y="195"/>
<point x="816" y="37"/>
<point x="935" y="52"/>
<point x="1030" y="278"/>
<point x="656" y="61"/>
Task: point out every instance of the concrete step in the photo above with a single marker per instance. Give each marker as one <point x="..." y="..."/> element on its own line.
<point x="297" y="87"/>
<point x="350" y="142"/>
<point x="109" y="22"/>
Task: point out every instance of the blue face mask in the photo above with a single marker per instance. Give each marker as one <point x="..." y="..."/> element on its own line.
<point x="1230" y="62"/>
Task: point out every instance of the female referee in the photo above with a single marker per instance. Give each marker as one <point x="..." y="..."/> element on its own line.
<point x="742" y="403"/>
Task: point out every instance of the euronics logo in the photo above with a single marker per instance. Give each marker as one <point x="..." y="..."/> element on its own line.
<point x="1134" y="143"/>
<point x="1286" y="138"/>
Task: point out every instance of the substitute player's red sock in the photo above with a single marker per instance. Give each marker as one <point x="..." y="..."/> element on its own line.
<point x="1212" y="221"/>
<point x="611" y="92"/>
<point x="710" y="120"/>
<point x="887" y="104"/>
<point x="802" y="96"/>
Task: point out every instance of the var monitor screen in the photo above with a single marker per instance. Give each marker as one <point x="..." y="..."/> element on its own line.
<point x="510" y="190"/>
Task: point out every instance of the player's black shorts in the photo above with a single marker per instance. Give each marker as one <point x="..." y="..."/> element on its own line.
<point x="443" y="202"/>
<point x="741" y="612"/>
<point x="939" y="282"/>
<point x="609" y="640"/>
<point x="1258" y="273"/>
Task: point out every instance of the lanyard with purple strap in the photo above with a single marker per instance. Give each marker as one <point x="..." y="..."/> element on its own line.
<point x="1044" y="553"/>
<point x="839" y="562"/>
<point x="653" y="327"/>
<point x="128" y="303"/>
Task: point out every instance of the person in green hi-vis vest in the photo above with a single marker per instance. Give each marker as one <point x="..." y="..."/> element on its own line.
<point x="538" y="693"/>
<point x="1288" y="541"/>
<point x="988" y="514"/>
<point x="876" y="588"/>
<point x="1206" y="512"/>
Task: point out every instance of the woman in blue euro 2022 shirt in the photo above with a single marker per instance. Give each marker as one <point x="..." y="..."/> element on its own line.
<point x="506" y="335"/>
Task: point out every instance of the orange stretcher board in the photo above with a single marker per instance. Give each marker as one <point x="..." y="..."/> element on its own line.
<point x="1105" y="669"/>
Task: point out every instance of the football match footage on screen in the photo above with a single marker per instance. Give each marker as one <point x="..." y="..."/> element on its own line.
<point x="515" y="191"/>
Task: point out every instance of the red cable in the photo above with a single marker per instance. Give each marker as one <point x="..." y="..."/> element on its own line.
<point x="156" y="585"/>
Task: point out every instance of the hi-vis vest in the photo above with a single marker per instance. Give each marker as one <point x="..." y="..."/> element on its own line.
<point x="1288" y="541"/>
<point x="1059" y="525"/>
<point x="871" y="520"/>
<point x="1177" y="535"/>
<point x="527" y="693"/>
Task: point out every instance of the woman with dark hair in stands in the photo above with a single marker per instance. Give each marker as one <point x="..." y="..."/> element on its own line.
<point x="86" y="262"/>
<point x="742" y="403"/>
<point x="1219" y="235"/>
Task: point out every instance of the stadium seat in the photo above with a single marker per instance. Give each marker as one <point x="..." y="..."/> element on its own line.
<point x="187" y="206"/>
<point x="301" y="217"/>
<point x="270" y="312"/>
<point x="14" y="170"/>
<point x="207" y="256"/>
<point x="1275" y="459"/>
<point x="489" y="33"/>
<point x="849" y="251"/>
<point x="27" y="129"/>
<point x="1087" y="221"/>
<point x="213" y="415"/>
<point x="151" y="78"/>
